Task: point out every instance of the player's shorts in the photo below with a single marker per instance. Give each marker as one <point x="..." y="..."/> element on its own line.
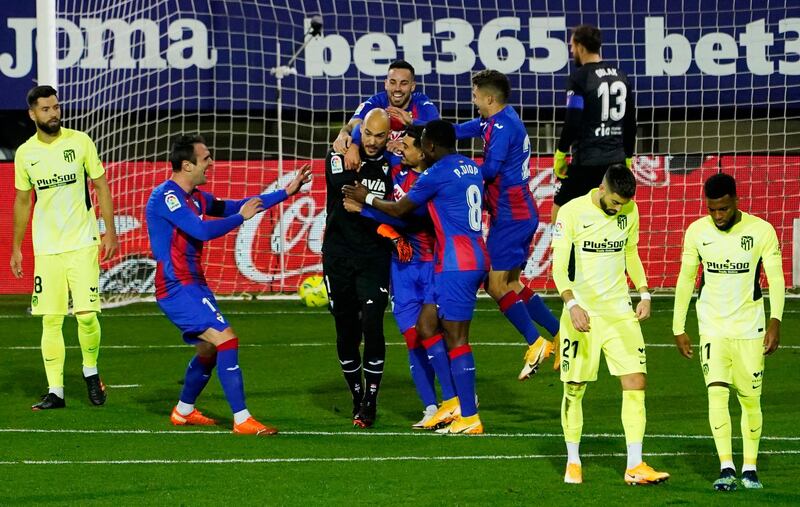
<point x="509" y="243"/>
<point x="619" y="338"/>
<point x="194" y="310"/>
<point x="55" y="276"/>
<point x="356" y="281"/>
<point x="581" y="179"/>
<point x="739" y="363"/>
<point x="412" y="287"/>
<point x="456" y="293"/>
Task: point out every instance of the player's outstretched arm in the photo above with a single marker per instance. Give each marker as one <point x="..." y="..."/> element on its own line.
<point x="22" y="212"/>
<point x="303" y="176"/>
<point x="205" y="230"/>
<point x="359" y="193"/>
<point x="343" y="140"/>
<point x="109" y="242"/>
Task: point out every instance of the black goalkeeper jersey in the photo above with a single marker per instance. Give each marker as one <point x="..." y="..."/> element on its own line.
<point x="349" y="234"/>
<point x="600" y="124"/>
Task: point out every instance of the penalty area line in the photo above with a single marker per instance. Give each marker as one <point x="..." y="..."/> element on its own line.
<point x="355" y="459"/>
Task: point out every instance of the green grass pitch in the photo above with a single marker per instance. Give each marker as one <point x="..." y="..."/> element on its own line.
<point x="127" y="453"/>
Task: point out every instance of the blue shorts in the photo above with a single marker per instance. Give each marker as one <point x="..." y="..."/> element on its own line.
<point x="509" y="243"/>
<point x="456" y="293"/>
<point x="193" y="310"/>
<point x="412" y="287"/>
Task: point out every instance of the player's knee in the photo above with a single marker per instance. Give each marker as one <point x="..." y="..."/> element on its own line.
<point x="86" y="318"/>
<point x="574" y="389"/>
<point x="634" y="382"/>
<point x="52" y="321"/>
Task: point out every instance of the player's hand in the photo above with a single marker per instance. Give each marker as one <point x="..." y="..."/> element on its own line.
<point x="580" y="319"/>
<point x="395" y="146"/>
<point x="251" y="208"/>
<point x="684" y="344"/>
<point x="357" y="192"/>
<point x="560" y="165"/>
<point x="643" y="310"/>
<point x="342" y="142"/>
<point x="404" y="249"/>
<point x="400" y="114"/>
<point x="303" y="176"/>
<point x="352" y="158"/>
<point x="108" y="245"/>
<point x="16" y="263"/>
<point x="773" y="337"/>
<point x="352" y="206"/>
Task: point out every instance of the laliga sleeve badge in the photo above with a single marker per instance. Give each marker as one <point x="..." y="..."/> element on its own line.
<point x="336" y="164"/>
<point x="172" y="201"/>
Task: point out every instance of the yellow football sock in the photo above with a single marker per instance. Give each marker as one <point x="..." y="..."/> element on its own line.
<point x="53" y="349"/>
<point x="572" y="412"/>
<point x="719" y="417"/>
<point x="751" y="427"/>
<point x="634" y="417"/>
<point x="89" y="337"/>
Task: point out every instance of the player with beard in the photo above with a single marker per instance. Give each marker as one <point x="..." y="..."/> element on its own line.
<point x="600" y="123"/>
<point x="55" y="164"/>
<point x="404" y="105"/>
<point x="355" y="262"/>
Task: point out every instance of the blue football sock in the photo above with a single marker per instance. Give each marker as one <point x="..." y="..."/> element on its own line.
<point x="462" y="364"/>
<point x="516" y="313"/>
<point x="438" y="359"/>
<point x="421" y="369"/>
<point x="197" y="376"/>
<point x="230" y="375"/>
<point x="539" y="311"/>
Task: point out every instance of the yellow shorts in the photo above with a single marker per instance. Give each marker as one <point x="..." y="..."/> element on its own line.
<point x="739" y="363"/>
<point x="619" y="338"/>
<point x="56" y="276"/>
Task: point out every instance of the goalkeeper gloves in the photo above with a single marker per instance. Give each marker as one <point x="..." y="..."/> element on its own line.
<point x="629" y="162"/>
<point x="403" y="247"/>
<point x="560" y="164"/>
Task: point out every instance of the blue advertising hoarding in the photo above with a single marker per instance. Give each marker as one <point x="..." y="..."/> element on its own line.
<point x="216" y="55"/>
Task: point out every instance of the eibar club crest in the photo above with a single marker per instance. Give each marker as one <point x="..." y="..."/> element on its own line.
<point x="622" y="221"/>
<point x="747" y="242"/>
<point x="69" y="155"/>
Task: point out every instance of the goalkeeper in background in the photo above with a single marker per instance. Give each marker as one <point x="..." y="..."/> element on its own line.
<point x="55" y="163"/>
<point x="177" y="226"/>
<point x="600" y="123"/>
<point x="732" y="247"/>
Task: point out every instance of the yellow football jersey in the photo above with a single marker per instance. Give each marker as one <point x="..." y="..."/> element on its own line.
<point x="591" y="253"/>
<point x="730" y="303"/>
<point x="63" y="217"/>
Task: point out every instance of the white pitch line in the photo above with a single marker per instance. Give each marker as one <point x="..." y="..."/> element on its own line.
<point x="123" y="386"/>
<point x="332" y="343"/>
<point x="496" y="457"/>
<point x="364" y="434"/>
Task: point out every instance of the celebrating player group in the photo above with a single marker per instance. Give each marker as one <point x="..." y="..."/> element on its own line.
<point x="405" y="223"/>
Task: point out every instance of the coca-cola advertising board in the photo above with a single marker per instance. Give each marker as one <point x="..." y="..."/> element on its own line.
<point x="275" y="250"/>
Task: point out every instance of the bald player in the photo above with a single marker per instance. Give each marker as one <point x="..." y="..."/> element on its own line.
<point x="355" y="261"/>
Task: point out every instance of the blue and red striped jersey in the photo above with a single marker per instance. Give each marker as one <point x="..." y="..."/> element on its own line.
<point x="506" y="164"/>
<point x="452" y="188"/>
<point x="177" y="231"/>
<point x="422" y="109"/>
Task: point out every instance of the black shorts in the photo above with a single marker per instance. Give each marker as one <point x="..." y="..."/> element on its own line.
<point x="581" y="179"/>
<point x="353" y="282"/>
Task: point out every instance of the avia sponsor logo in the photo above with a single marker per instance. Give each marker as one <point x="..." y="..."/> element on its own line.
<point x="138" y="44"/>
<point x="377" y="187"/>
<point x="604" y="131"/>
<point x="58" y="180"/>
<point x="605" y="246"/>
<point x="727" y="267"/>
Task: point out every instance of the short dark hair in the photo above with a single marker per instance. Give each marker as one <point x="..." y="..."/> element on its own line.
<point x="183" y="149"/>
<point x="415" y="133"/>
<point x="720" y="185"/>
<point x="493" y="81"/>
<point x="620" y="180"/>
<point x="402" y="64"/>
<point x="589" y="37"/>
<point x="40" y="92"/>
<point x="441" y="133"/>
